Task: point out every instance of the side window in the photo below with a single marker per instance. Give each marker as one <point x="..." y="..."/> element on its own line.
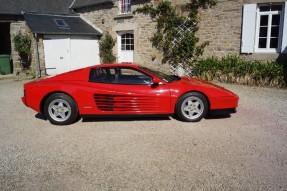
<point x="131" y="76"/>
<point x="100" y="75"/>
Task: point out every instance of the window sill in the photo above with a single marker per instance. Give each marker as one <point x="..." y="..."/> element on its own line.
<point x="266" y="51"/>
<point x="124" y="16"/>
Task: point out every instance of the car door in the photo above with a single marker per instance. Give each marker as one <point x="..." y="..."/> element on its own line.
<point x="97" y="92"/>
<point x="135" y="93"/>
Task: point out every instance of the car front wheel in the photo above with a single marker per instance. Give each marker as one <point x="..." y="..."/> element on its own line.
<point x="192" y="107"/>
<point x="60" y="109"/>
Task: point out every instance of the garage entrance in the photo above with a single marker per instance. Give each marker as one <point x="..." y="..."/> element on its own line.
<point x="64" y="53"/>
<point x="5" y="39"/>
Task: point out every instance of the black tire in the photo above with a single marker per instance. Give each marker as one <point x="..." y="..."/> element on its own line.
<point x="61" y="109"/>
<point x="192" y="107"/>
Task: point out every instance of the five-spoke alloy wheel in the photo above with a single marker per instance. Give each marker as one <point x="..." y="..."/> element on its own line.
<point x="192" y="107"/>
<point x="60" y="109"/>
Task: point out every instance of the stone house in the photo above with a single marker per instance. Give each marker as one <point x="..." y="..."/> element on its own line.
<point x="256" y="29"/>
<point x="61" y="39"/>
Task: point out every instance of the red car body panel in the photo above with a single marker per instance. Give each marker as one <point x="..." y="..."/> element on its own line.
<point x="106" y="99"/>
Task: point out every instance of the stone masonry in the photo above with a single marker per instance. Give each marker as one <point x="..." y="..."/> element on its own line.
<point x="107" y="18"/>
<point x="221" y="27"/>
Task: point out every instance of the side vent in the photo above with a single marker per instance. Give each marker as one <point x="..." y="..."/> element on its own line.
<point x="104" y="102"/>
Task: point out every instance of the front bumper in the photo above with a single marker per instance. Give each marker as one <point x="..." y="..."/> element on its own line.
<point x="230" y="102"/>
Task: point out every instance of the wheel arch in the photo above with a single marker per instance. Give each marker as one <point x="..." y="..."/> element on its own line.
<point x="51" y="93"/>
<point x="192" y="91"/>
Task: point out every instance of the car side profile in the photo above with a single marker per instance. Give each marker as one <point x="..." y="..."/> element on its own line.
<point x="124" y="89"/>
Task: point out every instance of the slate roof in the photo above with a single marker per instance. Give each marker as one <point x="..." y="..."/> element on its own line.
<point x="47" y="24"/>
<point x="14" y="7"/>
<point x="85" y="3"/>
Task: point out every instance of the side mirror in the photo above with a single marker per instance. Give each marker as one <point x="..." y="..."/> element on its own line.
<point x="156" y="81"/>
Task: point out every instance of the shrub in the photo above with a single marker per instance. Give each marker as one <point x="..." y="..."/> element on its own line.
<point x="106" y="49"/>
<point x="22" y="44"/>
<point x="233" y="69"/>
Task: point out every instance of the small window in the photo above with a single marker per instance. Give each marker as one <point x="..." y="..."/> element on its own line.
<point x="127" y="41"/>
<point x="61" y="23"/>
<point x="125" y="6"/>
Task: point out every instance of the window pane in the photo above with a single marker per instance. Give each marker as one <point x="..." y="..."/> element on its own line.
<point x="264" y="8"/>
<point x="99" y="75"/>
<point x="123" y="47"/>
<point x="264" y="20"/>
<point x="275" y="19"/>
<point x="132" y="47"/>
<point x="274" y="43"/>
<point x="130" y="76"/>
<point x="123" y="41"/>
<point x="263" y="32"/>
<point x="275" y="32"/>
<point x="262" y="42"/>
<point x="128" y="41"/>
<point x="276" y="8"/>
<point x="128" y="47"/>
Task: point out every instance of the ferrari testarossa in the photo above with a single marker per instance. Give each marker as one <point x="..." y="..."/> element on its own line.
<point x="124" y="89"/>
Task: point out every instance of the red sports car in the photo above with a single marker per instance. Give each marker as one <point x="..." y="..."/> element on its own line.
<point x="124" y="89"/>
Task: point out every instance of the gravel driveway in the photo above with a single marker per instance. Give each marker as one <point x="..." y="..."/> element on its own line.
<point x="247" y="151"/>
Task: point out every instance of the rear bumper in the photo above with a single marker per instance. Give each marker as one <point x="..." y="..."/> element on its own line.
<point x="230" y="102"/>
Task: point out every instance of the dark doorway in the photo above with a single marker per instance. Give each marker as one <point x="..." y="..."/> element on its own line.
<point x="5" y="38"/>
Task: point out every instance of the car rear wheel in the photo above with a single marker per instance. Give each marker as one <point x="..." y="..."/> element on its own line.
<point x="192" y="107"/>
<point x="60" y="109"/>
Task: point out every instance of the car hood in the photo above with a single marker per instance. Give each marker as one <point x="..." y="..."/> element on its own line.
<point x="199" y="85"/>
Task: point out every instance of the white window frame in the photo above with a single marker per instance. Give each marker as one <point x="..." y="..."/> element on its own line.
<point x="250" y="25"/>
<point x="270" y="13"/>
<point x="127" y="3"/>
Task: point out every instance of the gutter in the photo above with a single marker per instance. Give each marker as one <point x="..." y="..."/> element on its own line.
<point x="37" y="54"/>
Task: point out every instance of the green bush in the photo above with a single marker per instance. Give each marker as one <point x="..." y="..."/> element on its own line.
<point x="234" y="69"/>
<point x="106" y="49"/>
<point x="22" y="44"/>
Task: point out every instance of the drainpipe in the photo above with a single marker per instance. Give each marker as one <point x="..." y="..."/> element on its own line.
<point x="37" y="54"/>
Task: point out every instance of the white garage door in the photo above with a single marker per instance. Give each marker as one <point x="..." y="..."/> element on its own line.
<point x="66" y="53"/>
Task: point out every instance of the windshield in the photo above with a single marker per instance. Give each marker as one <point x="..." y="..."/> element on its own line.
<point x="161" y="75"/>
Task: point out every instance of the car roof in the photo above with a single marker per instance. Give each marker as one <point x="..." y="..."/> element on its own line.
<point x="122" y="65"/>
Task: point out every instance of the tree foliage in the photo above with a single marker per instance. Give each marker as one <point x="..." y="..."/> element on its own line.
<point x="176" y="47"/>
<point x="106" y="49"/>
<point x="22" y="44"/>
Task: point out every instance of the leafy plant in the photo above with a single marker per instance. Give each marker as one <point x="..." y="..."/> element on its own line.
<point x="234" y="69"/>
<point x="106" y="49"/>
<point x="22" y="44"/>
<point x="175" y="36"/>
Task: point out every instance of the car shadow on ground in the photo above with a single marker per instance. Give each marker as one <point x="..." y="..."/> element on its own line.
<point x="219" y="114"/>
<point x="211" y="115"/>
<point x="124" y="118"/>
<point x="41" y="116"/>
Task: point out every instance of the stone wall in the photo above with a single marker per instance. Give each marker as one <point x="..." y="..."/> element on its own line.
<point x="221" y="27"/>
<point x="15" y="28"/>
<point x="21" y="26"/>
<point x="107" y="18"/>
